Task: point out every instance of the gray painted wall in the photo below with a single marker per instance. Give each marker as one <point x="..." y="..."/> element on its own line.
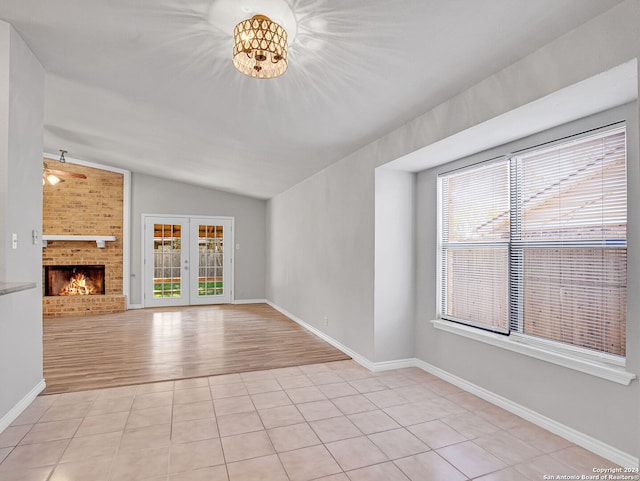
<point x="320" y="253"/>
<point x="321" y="250"/>
<point x="394" y="292"/>
<point x="603" y="409"/>
<point x="152" y="195"/>
<point x="21" y="129"/>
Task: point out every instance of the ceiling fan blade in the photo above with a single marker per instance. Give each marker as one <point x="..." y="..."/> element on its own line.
<point x="62" y="173"/>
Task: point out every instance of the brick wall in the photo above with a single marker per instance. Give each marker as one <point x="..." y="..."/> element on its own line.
<point x="91" y="206"/>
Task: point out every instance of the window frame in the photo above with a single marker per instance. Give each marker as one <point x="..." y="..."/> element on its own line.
<point x="601" y="364"/>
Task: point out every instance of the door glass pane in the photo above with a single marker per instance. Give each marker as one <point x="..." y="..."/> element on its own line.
<point x="210" y="255"/>
<point x="167" y="249"/>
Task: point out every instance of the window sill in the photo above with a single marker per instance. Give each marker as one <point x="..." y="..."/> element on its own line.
<point x="595" y="368"/>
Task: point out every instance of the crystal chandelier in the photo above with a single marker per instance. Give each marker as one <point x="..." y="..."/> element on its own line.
<point x="260" y="47"/>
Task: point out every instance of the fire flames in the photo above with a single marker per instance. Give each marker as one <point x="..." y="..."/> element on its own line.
<point x="79" y="285"/>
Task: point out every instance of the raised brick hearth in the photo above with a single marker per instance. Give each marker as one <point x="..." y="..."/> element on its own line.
<point x="91" y="206"/>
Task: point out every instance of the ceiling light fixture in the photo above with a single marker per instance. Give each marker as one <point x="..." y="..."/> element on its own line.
<point x="260" y="47"/>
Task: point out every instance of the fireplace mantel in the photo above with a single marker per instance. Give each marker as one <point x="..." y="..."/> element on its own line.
<point x="98" y="239"/>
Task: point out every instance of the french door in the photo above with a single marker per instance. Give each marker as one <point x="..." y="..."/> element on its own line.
<point x="187" y="260"/>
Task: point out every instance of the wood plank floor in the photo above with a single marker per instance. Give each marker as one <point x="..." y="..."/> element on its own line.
<point x="151" y="345"/>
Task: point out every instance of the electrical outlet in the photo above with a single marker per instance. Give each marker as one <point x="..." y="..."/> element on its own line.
<point x="326" y="321"/>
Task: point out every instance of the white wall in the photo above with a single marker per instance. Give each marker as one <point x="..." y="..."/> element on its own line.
<point x="321" y="249"/>
<point x="21" y="130"/>
<point x="153" y="195"/>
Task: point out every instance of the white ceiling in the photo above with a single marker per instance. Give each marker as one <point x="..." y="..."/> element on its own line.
<point x="148" y="85"/>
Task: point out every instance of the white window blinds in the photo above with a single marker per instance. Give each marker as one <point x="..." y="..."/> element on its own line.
<point x="536" y="243"/>
<point x="569" y="253"/>
<point x="475" y="246"/>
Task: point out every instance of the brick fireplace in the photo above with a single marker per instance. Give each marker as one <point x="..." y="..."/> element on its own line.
<point x="83" y="207"/>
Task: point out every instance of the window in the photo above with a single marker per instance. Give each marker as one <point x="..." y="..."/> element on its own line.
<point x="535" y="244"/>
<point x="475" y="246"/>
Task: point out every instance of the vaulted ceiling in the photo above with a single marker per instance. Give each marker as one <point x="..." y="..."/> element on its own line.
<point x="149" y="86"/>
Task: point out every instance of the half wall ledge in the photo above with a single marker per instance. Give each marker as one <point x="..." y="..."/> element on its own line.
<point x="10" y="287"/>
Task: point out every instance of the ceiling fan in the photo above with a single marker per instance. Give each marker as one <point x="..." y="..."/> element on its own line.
<point x="53" y="176"/>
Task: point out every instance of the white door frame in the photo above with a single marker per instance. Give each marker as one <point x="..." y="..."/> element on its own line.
<point x="229" y="255"/>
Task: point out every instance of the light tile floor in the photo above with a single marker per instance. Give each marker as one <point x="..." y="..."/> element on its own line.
<point x="333" y="422"/>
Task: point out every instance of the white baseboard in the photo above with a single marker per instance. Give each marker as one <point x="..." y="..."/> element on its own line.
<point x="236" y="301"/>
<point x="23" y="404"/>
<point x="581" y="439"/>
<point x="250" y="301"/>
<point x="389" y="365"/>
<point x="338" y="345"/>
<point x="576" y="437"/>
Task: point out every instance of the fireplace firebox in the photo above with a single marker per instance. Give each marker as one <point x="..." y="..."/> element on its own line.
<point x="79" y="280"/>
